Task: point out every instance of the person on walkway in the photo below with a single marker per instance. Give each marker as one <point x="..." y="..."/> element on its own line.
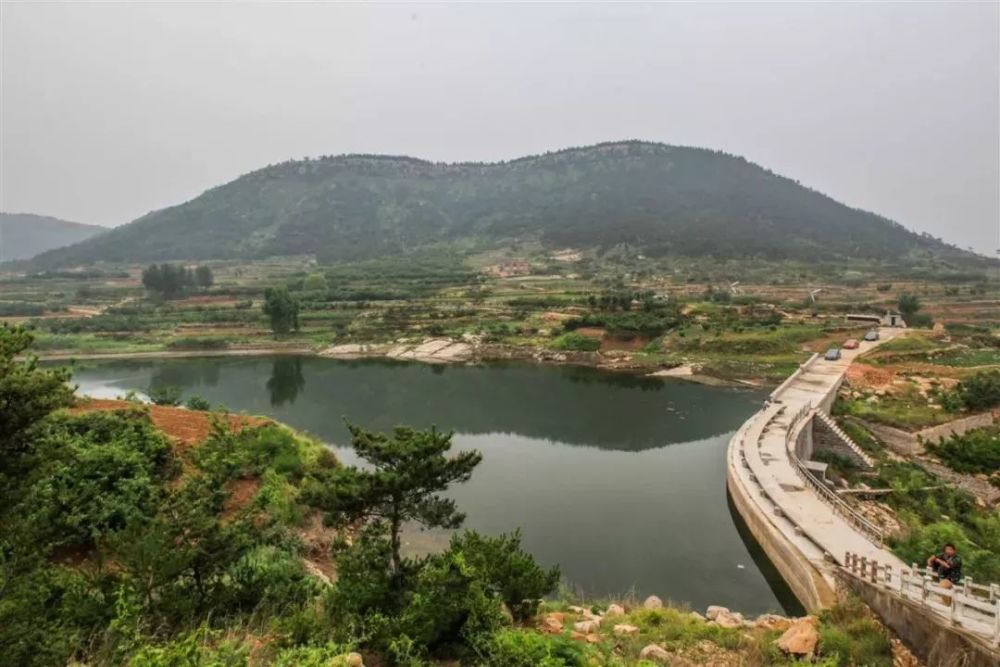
<point x="947" y="565"/>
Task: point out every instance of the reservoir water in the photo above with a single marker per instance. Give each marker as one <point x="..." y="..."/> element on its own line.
<point x="619" y="479"/>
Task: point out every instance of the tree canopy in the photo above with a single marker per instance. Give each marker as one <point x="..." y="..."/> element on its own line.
<point x="282" y="310"/>
<point x="661" y="199"/>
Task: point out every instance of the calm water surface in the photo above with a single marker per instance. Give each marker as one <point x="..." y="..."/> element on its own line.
<point x="618" y="479"/>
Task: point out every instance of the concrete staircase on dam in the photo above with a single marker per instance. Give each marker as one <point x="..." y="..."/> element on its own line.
<point x="805" y="528"/>
<point x="852" y="448"/>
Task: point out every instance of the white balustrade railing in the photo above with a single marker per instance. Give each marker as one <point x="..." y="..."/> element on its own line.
<point x="968" y="605"/>
<point x="851" y="515"/>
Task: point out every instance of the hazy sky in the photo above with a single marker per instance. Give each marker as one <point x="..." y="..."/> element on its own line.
<point x="111" y="110"/>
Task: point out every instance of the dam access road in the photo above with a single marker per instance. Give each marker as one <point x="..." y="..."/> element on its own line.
<point x="820" y="544"/>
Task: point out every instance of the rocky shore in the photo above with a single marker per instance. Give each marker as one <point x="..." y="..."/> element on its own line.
<point x="799" y="638"/>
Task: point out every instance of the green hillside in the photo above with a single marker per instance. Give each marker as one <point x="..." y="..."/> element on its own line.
<point x="23" y="235"/>
<point x="667" y="200"/>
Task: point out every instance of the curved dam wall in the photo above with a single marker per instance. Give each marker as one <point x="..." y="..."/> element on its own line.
<point x="760" y="514"/>
<point x="763" y="486"/>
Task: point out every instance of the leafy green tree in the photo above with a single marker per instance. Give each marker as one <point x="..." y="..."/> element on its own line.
<point x="168" y="280"/>
<point x="408" y="469"/>
<point x="282" y="309"/>
<point x="908" y="305"/>
<point x="508" y="569"/>
<point x="27" y="394"/>
<point x="315" y="282"/>
<point x="203" y="277"/>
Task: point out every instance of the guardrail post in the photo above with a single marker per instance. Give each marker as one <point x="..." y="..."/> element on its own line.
<point x="874" y="572"/>
<point x="996" y="624"/>
<point x="888" y="575"/>
<point x="955" y="606"/>
<point x="864" y="566"/>
<point x="923" y="589"/>
<point x="904" y="575"/>
<point x="994" y="592"/>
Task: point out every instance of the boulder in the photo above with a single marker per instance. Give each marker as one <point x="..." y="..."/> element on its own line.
<point x="615" y="610"/>
<point x="714" y="611"/>
<point x="552" y="624"/>
<point x="587" y="627"/>
<point x="583" y="611"/>
<point x="625" y="630"/>
<point x="729" y="619"/>
<point x="772" y="622"/>
<point x="653" y="602"/>
<point x="354" y="660"/>
<point x="800" y="638"/>
<point x="655" y="653"/>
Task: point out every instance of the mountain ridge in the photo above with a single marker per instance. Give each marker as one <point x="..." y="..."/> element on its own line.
<point x="24" y="235"/>
<point x="669" y="200"/>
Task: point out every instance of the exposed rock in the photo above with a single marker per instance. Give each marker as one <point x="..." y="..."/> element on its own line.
<point x="587" y="627"/>
<point x="729" y="619"/>
<point x="553" y="624"/>
<point x="593" y="639"/>
<point x="800" y="638"/>
<point x="653" y="602"/>
<point x="347" y="351"/>
<point x="714" y="611"/>
<point x="902" y="656"/>
<point x="656" y="653"/>
<point x="615" y="610"/>
<point x="625" y="630"/>
<point x="584" y="611"/>
<point x="772" y="622"/>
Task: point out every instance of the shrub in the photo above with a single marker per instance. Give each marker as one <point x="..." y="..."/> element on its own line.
<point x="509" y="570"/>
<point x="575" y="342"/>
<point x="981" y="391"/>
<point x="164" y="395"/>
<point x="976" y="451"/>
<point x="851" y="636"/>
<point x="198" y="403"/>
<point x="520" y="648"/>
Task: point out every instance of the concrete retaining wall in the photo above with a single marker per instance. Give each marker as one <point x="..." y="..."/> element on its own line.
<point x="912" y="444"/>
<point x="928" y="635"/>
<point x="956" y="427"/>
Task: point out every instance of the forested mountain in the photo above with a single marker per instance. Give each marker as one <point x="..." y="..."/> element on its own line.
<point x="663" y="199"/>
<point x="23" y="235"/>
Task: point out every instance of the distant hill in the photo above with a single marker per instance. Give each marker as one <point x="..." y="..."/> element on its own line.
<point x="23" y="235"/>
<point x="667" y="200"/>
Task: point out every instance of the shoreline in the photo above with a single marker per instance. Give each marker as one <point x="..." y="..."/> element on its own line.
<point x="492" y="354"/>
